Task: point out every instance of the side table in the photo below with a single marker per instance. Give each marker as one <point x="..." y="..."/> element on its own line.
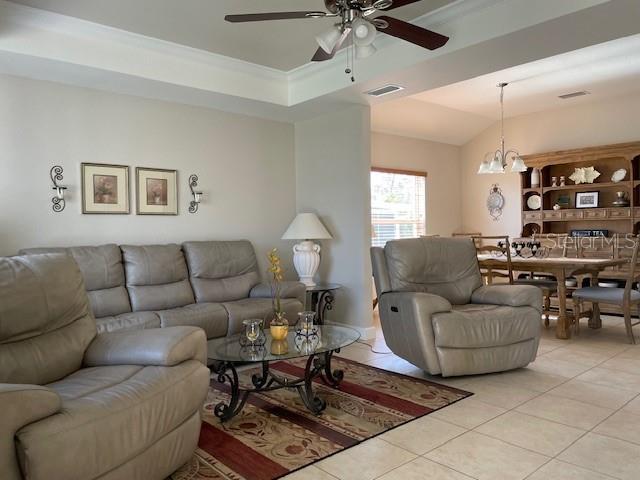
<point x="320" y="299"/>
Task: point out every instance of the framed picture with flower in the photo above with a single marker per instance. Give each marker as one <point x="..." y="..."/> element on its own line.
<point x="156" y="191"/>
<point x="105" y="188"/>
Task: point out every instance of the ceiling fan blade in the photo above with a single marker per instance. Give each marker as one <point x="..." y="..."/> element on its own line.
<point x="259" y="17"/>
<point x="321" y="55"/>
<point x="398" y="4"/>
<point x="411" y="33"/>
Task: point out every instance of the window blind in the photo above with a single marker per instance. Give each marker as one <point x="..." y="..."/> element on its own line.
<point x="398" y="205"/>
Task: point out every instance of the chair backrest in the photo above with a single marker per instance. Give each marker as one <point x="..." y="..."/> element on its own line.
<point x="443" y="266"/>
<point x="103" y="273"/>
<point x="495" y="246"/>
<point x="157" y="277"/>
<point x="634" y="245"/>
<point x="221" y="271"/>
<point x="45" y="322"/>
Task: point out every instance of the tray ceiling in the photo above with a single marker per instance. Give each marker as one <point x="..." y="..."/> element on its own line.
<point x="283" y="45"/>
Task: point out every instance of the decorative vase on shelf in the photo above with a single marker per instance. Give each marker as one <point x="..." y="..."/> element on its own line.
<point x="621" y="200"/>
<point x="535" y="178"/>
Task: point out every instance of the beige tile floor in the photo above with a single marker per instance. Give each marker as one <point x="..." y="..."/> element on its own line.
<point x="574" y="414"/>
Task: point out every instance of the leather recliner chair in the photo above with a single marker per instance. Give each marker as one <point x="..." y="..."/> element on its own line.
<point x="437" y="314"/>
<point x="76" y="405"/>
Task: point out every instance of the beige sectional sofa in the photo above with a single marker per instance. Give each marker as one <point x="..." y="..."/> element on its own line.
<point x="214" y="285"/>
<point x="77" y="405"/>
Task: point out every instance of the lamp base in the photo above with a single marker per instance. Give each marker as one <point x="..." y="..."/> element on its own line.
<point x="306" y="260"/>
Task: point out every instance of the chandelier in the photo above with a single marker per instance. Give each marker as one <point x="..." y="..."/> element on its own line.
<point x="496" y="162"/>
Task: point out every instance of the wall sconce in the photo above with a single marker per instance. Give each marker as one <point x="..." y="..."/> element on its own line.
<point x="58" y="201"/>
<point x="195" y="203"/>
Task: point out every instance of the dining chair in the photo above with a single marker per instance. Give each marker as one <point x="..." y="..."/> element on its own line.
<point x="626" y="297"/>
<point x="498" y="246"/>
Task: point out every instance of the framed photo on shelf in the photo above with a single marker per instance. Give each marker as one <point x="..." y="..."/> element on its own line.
<point x="105" y="188"/>
<point x="587" y="199"/>
<point x="156" y="191"/>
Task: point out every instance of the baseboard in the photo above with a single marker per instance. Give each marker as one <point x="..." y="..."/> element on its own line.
<point x="366" y="333"/>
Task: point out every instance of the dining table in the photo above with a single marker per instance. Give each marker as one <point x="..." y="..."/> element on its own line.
<point x="561" y="268"/>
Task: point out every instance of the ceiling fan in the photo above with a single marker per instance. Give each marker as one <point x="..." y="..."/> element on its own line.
<point x="354" y="26"/>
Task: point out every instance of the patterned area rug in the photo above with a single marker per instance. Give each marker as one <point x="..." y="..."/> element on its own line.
<point x="275" y="434"/>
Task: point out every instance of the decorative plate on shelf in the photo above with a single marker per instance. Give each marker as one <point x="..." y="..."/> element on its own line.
<point x="619" y="175"/>
<point x="534" y="202"/>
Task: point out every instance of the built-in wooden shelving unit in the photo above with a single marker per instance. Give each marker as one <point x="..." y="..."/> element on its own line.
<point x="606" y="159"/>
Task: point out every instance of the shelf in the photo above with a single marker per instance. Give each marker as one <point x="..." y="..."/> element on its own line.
<point x="583" y="214"/>
<point x="535" y="190"/>
<point x="590" y="186"/>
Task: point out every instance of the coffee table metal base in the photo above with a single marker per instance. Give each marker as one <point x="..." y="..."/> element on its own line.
<point x="318" y="365"/>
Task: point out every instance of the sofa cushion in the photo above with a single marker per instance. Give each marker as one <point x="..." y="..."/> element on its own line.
<point x="221" y="271"/>
<point x="473" y="326"/>
<point x="45" y="323"/>
<point x="128" y="321"/>
<point x="136" y="405"/>
<point x="103" y="274"/>
<point x="447" y="267"/>
<point x="211" y="317"/>
<point x="259" y="308"/>
<point x="156" y="277"/>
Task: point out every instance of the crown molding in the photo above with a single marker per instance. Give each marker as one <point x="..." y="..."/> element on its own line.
<point x="63" y="24"/>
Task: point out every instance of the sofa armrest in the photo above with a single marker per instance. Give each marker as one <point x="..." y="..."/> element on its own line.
<point x="288" y="289"/>
<point x="157" y="346"/>
<point x="509" y="295"/>
<point x="21" y="405"/>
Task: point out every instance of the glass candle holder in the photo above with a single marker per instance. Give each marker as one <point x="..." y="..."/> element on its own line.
<point x="305" y="324"/>
<point x="253" y="332"/>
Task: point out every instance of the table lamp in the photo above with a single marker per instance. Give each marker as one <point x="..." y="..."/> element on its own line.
<point x="306" y="254"/>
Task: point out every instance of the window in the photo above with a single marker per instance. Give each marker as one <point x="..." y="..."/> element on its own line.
<point x="398" y="205"/>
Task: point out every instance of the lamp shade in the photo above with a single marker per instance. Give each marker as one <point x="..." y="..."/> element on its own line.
<point x="496" y="165"/>
<point x="365" y="51"/>
<point x="306" y="226"/>
<point x="328" y="39"/>
<point x="364" y="32"/>
<point x="518" y="165"/>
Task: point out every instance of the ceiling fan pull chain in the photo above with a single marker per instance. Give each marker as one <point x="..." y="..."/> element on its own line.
<point x="351" y="65"/>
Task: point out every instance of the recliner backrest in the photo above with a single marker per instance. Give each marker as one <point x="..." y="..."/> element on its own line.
<point x="45" y="322"/>
<point x="222" y="271"/>
<point x="447" y="267"/>
<point x="157" y="277"/>
<point x="103" y="273"/>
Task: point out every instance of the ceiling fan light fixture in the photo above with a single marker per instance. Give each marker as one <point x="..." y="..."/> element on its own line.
<point x="364" y="32"/>
<point x="365" y="51"/>
<point x="328" y="40"/>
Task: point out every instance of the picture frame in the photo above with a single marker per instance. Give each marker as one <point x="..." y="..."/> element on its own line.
<point x="105" y="189"/>
<point x="156" y="191"/>
<point x="587" y="199"/>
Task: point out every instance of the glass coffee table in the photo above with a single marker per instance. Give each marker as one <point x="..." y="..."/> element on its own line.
<point x="227" y="354"/>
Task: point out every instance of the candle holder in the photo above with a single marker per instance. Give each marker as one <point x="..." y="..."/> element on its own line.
<point x="58" y="201"/>
<point x="253" y="333"/>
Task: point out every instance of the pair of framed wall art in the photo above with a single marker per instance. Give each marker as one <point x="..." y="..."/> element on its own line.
<point x="105" y="189"/>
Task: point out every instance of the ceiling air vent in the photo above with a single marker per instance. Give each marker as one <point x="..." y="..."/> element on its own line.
<point x="567" y="96"/>
<point x="386" y="90"/>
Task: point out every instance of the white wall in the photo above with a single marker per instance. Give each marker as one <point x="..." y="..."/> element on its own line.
<point x="332" y="170"/>
<point x="442" y="164"/>
<point x="610" y="121"/>
<point x="246" y="166"/>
